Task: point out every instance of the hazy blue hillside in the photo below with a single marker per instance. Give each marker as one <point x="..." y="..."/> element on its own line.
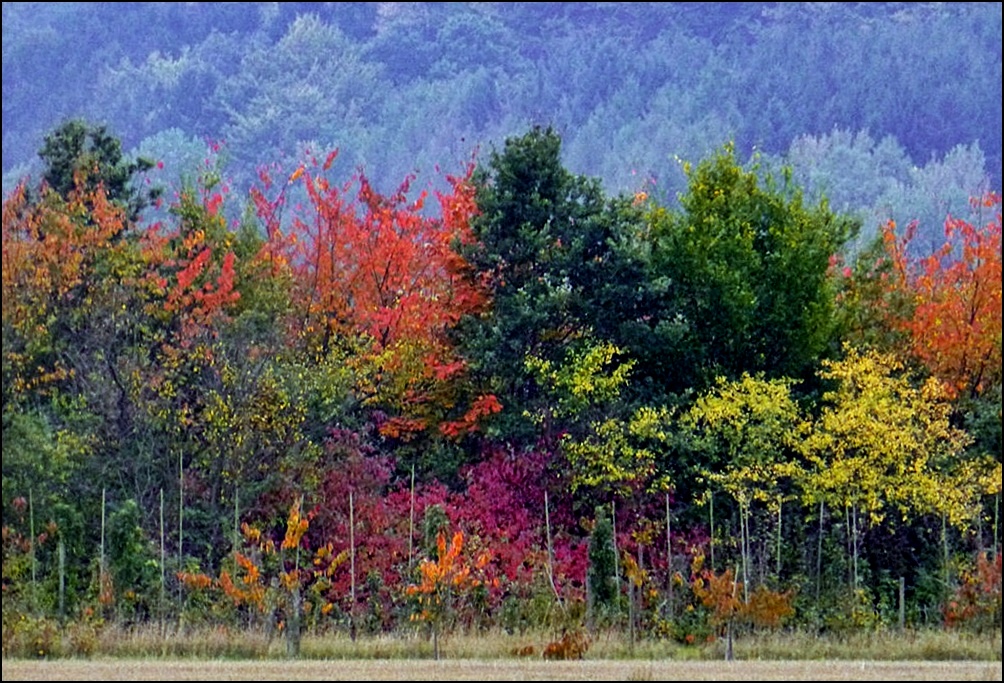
<point x="874" y="100"/>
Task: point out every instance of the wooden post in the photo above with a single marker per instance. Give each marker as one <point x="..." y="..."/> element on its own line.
<point x="31" y="548"/>
<point x="819" y="553"/>
<point x="61" y="549"/>
<point x="669" y="564"/>
<point x="163" y="556"/>
<point x="780" y="502"/>
<point x="411" y="519"/>
<point x="181" y="512"/>
<point x="101" y="554"/>
<point x="944" y="548"/>
<point x="237" y="529"/>
<point x="902" y="603"/>
<point x="550" y="554"/>
<point x="617" y="559"/>
<point x="352" y="567"/>
<point x="711" y="513"/>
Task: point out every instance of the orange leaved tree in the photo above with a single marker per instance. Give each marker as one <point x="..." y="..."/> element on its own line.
<point x="954" y="327"/>
<point x="442" y="581"/>
<point x="380" y="272"/>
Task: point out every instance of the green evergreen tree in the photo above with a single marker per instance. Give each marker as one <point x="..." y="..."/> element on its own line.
<point x="602" y="571"/>
<point x="92" y="152"/>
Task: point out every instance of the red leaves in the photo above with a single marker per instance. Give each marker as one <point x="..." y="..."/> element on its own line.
<point x="377" y="267"/>
<point x="483" y="406"/>
<point x="198" y="296"/>
<point x="955" y="324"/>
<point x="375" y="264"/>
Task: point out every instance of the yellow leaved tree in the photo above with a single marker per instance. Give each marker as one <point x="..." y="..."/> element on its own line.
<point x="750" y="430"/>
<point x="883" y="443"/>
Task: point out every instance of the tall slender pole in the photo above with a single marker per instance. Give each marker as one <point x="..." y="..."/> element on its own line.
<point x="101" y="554"/>
<point x="997" y="517"/>
<point x="902" y="603"/>
<point x="411" y="519"/>
<point x="711" y="513"/>
<point x="61" y="549"/>
<point x="352" y="564"/>
<point x="780" y="502"/>
<point x="850" y="544"/>
<point x="616" y="558"/>
<point x="854" y="521"/>
<point x="944" y="547"/>
<point x="163" y="558"/>
<point x="237" y="535"/>
<point x="31" y="546"/>
<point x="669" y="564"/>
<point x="550" y="553"/>
<point x="819" y="554"/>
<point x="744" y="538"/>
<point x="181" y="512"/>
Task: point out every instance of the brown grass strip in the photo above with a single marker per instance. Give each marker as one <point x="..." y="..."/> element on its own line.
<point x="493" y="670"/>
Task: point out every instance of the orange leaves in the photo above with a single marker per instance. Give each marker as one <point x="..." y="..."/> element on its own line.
<point x="252" y="575"/>
<point x="955" y="323"/>
<point x="769" y="608"/>
<point x="443" y="578"/>
<point x="53" y="249"/>
<point x="483" y="406"/>
<point x="977" y="600"/>
<point x="445" y="571"/>
<point x="195" y="580"/>
<point x="719" y="593"/>
<point x="379" y="268"/>
<point x="296" y="527"/>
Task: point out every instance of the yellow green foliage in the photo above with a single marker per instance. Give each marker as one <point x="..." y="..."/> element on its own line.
<point x="756" y="423"/>
<point x="618" y="452"/>
<point x="584" y="379"/>
<point x="883" y="442"/>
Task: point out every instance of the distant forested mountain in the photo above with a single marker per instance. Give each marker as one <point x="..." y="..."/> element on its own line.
<point x="889" y="109"/>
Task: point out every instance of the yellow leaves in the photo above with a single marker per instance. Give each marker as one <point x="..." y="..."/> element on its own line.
<point x="882" y="442"/>
<point x="296" y="527"/>
<point x="632" y="571"/>
<point x="756" y="423"/>
<point x="584" y="378"/>
<point x="290" y="580"/>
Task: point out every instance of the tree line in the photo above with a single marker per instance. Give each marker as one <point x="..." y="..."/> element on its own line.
<point x="514" y="401"/>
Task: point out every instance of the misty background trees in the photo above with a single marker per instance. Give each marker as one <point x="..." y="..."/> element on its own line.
<point x="893" y="110"/>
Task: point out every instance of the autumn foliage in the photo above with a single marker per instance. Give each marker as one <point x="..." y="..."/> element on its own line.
<point x="954" y="322"/>
<point x="316" y="347"/>
<point x="378" y="269"/>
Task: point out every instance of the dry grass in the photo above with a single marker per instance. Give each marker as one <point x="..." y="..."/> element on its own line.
<point x="222" y="654"/>
<point x="221" y="643"/>
<point x="494" y="670"/>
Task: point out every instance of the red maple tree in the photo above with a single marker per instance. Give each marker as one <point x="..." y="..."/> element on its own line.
<point x="954" y="323"/>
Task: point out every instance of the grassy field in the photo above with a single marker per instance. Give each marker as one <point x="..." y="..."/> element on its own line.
<point x="220" y="654"/>
<point x="494" y="670"/>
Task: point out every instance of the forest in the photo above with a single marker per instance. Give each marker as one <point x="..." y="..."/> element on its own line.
<point x="276" y="382"/>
